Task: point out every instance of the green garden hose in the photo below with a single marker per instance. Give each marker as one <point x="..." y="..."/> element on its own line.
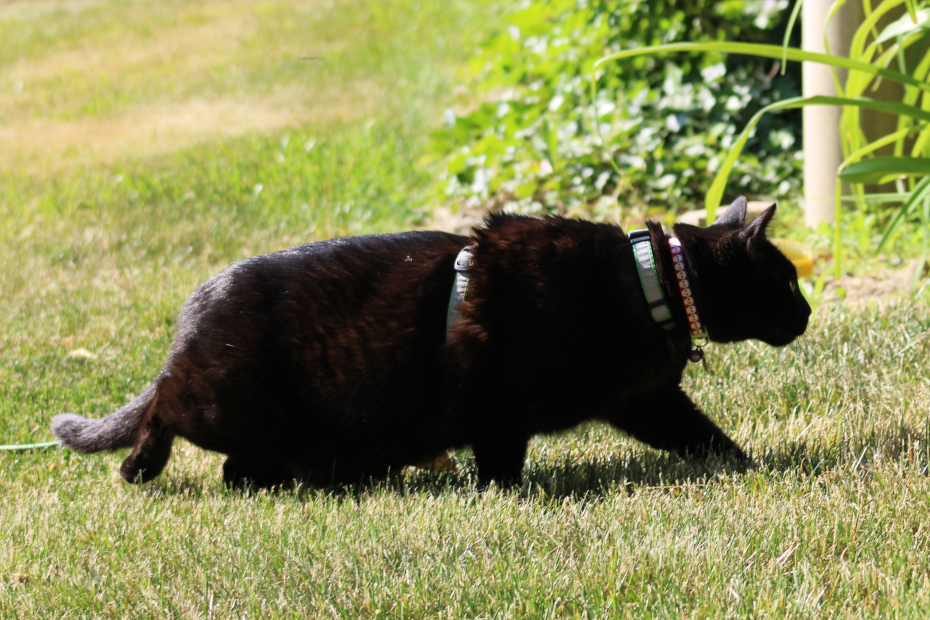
<point x="31" y="446"/>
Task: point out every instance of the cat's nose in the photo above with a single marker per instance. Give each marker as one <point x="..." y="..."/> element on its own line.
<point x="804" y="308"/>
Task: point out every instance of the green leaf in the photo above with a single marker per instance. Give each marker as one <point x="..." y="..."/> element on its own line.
<point x="877" y="144"/>
<point x="905" y="26"/>
<point x="912" y="11"/>
<point x="878" y="199"/>
<point x="874" y="170"/>
<point x="767" y="51"/>
<point x="919" y="193"/>
<point x="794" y="16"/>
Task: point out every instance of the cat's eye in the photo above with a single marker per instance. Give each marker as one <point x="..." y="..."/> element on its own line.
<point x="793" y="285"/>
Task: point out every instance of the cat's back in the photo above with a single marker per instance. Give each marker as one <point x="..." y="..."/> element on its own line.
<point x="336" y="271"/>
<point x="343" y="258"/>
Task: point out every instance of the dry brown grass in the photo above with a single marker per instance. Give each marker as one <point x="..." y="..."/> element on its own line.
<point x="152" y="130"/>
<point x="148" y="79"/>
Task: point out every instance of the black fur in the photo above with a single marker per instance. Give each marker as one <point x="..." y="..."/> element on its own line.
<point x="329" y="362"/>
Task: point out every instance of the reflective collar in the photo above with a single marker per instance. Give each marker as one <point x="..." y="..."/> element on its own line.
<point x="462" y="276"/>
<point x="649" y="278"/>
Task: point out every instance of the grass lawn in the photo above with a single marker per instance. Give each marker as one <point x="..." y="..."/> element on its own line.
<point x="145" y="146"/>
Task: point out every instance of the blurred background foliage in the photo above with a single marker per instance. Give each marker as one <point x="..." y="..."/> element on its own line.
<point x="531" y="144"/>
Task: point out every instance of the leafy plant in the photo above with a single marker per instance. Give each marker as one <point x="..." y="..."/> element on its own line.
<point x="534" y="143"/>
<point x="905" y="41"/>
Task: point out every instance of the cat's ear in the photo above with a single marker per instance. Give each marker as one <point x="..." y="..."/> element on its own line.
<point x="755" y="231"/>
<point x="734" y="216"/>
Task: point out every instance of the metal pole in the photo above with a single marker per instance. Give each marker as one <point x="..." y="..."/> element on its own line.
<point x="822" y="149"/>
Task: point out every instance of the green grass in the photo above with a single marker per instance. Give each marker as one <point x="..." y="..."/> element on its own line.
<point x="100" y="245"/>
<point x="831" y="521"/>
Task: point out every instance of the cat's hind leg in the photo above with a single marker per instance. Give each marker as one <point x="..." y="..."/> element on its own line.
<point x="242" y="472"/>
<point x="668" y="420"/>
<point x="173" y="411"/>
<point x="500" y="458"/>
<point x="152" y="447"/>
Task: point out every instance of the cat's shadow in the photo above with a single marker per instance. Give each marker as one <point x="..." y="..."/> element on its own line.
<point x="635" y="470"/>
<point x="625" y="472"/>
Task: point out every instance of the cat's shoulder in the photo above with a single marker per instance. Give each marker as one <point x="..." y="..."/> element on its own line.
<point x="505" y="227"/>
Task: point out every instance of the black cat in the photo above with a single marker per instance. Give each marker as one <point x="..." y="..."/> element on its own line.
<point x="331" y="361"/>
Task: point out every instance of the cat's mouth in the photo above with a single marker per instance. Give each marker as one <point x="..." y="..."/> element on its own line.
<point x="782" y="337"/>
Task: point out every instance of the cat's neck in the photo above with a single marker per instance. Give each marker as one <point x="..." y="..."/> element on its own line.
<point x="669" y="281"/>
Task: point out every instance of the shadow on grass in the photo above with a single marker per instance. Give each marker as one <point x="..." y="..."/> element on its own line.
<point x="587" y="478"/>
<point x="652" y="469"/>
<point x="901" y="443"/>
<point x="905" y="444"/>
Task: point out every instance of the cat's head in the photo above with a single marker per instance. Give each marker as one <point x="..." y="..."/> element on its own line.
<point x="747" y="288"/>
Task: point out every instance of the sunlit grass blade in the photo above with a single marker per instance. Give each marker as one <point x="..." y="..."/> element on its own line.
<point x="879" y="169"/>
<point x="767" y="51"/>
<point x="838" y="85"/>
<point x="715" y="192"/>
<point x="791" y="21"/>
<point x="919" y="193"/>
<point x="905" y="26"/>
<point x="893" y="138"/>
<point x="877" y="199"/>
<point x="924" y="214"/>
<point x="856" y="83"/>
<point x="921" y="142"/>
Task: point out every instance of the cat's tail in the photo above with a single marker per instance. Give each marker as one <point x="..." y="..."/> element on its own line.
<point x="117" y="430"/>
